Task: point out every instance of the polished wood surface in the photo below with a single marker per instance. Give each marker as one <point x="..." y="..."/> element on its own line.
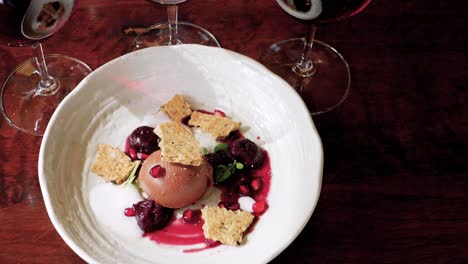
<point x="395" y="179"/>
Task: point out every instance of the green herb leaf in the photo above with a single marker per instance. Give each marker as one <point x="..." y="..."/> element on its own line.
<point x="205" y="151"/>
<point x="221" y="146"/>
<point x="239" y="166"/>
<point x="231" y="166"/>
<point x="132" y="176"/>
<point x="222" y="173"/>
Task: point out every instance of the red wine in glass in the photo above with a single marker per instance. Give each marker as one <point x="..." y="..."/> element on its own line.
<point x="316" y="70"/>
<point x="33" y="89"/>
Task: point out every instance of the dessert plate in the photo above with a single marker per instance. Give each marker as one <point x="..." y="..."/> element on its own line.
<point x="109" y="103"/>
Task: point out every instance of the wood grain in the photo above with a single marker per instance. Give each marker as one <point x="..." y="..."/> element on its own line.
<point x="395" y="182"/>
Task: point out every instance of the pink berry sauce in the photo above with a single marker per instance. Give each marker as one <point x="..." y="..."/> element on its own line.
<point x="177" y="232"/>
<point x="187" y="230"/>
<point x="184" y="231"/>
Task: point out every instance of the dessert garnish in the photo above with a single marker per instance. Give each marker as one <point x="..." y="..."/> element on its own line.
<point x="224" y="225"/>
<point x="112" y="164"/>
<point x="157" y="171"/>
<point x="144" y="140"/>
<point x="247" y="152"/>
<point x="218" y="126"/>
<point x="133" y="173"/>
<point x="178" y="144"/>
<point x="177" y="108"/>
<point x="223" y="163"/>
<point x="151" y="216"/>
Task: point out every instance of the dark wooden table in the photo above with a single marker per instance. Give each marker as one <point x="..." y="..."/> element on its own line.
<point x="395" y="180"/>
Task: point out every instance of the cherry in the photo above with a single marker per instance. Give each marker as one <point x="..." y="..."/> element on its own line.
<point x="151" y="216"/>
<point x="143" y="140"/>
<point x="247" y="152"/>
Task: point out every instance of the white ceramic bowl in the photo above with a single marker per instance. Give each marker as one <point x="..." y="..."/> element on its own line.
<point x="108" y="104"/>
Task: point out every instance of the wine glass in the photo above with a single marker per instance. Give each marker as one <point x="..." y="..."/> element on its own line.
<point x="316" y="70"/>
<point x="173" y="32"/>
<point x="33" y="90"/>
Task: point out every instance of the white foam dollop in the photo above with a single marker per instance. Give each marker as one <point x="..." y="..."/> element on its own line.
<point x="246" y="203"/>
<point x="206" y="140"/>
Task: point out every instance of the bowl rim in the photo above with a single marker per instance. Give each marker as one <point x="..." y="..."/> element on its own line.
<point x="43" y="181"/>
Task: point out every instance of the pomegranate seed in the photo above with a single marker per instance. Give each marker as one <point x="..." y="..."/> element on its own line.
<point x="129" y="212"/>
<point x="222" y="205"/>
<point x="259" y="207"/>
<point x="187" y="216"/>
<point x="219" y="113"/>
<point x="191" y="216"/>
<point x="256" y="184"/>
<point x="132" y="153"/>
<point x="143" y="156"/>
<point x="244" y="190"/>
<point x="157" y="171"/>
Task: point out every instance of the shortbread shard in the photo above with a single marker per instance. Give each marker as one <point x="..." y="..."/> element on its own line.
<point x="218" y="126"/>
<point x="112" y="164"/>
<point x="224" y="225"/>
<point x="178" y="144"/>
<point x="177" y="108"/>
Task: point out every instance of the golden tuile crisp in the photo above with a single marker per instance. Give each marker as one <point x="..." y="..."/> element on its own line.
<point x="112" y="164"/>
<point x="219" y="127"/>
<point x="224" y="225"/>
<point x="177" y="108"/>
<point x="178" y="144"/>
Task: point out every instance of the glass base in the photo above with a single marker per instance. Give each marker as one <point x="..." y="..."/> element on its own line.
<point x="326" y="88"/>
<point x="23" y="107"/>
<point x="187" y="33"/>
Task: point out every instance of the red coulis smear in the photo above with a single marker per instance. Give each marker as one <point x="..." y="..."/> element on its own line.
<point x="178" y="233"/>
<point x="181" y="233"/>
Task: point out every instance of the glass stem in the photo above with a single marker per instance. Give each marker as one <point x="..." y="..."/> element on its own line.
<point x="47" y="84"/>
<point x="305" y="67"/>
<point x="172" y="16"/>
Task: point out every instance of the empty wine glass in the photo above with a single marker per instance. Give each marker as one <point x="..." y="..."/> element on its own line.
<point x="316" y="70"/>
<point x="33" y="89"/>
<point x="173" y="32"/>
